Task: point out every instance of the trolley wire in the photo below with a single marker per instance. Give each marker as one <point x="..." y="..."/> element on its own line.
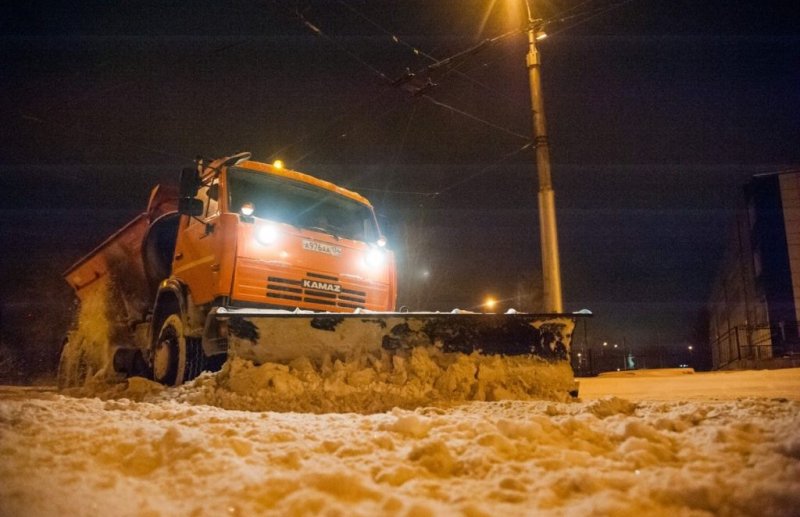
<point x="561" y="17"/>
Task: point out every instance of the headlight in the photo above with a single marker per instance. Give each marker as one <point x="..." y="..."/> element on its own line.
<point x="375" y="258"/>
<point x="267" y="235"/>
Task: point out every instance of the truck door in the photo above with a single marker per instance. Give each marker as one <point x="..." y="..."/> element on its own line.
<point x="197" y="258"/>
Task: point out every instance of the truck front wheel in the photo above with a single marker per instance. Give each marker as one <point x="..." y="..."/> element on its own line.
<point x="176" y="358"/>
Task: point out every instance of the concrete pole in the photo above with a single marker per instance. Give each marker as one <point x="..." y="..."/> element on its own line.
<point x="551" y="267"/>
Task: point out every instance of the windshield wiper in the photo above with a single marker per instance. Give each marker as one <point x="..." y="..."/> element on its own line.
<point x="323" y="230"/>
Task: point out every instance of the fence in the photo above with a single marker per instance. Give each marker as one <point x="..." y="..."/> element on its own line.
<point x="742" y="342"/>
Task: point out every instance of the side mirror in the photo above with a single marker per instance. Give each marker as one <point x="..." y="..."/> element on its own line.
<point x="190" y="206"/>
<point x="190" y="182"/>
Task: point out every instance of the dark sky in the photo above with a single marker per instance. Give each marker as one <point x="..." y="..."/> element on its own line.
<point x="657" y="113"/>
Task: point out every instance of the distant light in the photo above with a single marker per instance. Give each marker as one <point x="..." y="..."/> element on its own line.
<point x="248" y="209"/>
<point x="541" y="35"/>
<point x="490" y="303"/>
<point x="278" y="164"/>
<point x="615" y="345"/>
<point x="691" y="347"/>
<point x="381" y="241"/>
<point x="579" y="354"/>
<point x="425" y="273"/>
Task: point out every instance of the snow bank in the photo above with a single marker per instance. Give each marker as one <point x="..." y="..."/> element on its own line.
<point x="363" y="384"/>
<point x="607" y="456"/>
<point x="683" y="384"/>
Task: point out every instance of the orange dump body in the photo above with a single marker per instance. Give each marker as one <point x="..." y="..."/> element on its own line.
<point x="134" y="258"/>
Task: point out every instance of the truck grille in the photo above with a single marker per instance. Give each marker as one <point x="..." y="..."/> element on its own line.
<point x="304" y="291"/>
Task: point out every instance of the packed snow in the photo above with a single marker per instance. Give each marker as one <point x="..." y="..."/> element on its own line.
<point x="356" y="378"/>
<point x="363" y="384"/>
<point x="651" y="443"/>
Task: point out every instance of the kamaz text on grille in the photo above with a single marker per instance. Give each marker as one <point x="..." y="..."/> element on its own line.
<point x="323" y="286"/>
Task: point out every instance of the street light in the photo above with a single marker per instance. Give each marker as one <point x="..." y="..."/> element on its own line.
<point x="551" y="267"/>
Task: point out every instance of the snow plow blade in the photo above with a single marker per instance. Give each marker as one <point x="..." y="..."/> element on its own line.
<point x="274" y="336"/>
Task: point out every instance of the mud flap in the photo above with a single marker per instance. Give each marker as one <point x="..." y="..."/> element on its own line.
<point x="276" y="336"/>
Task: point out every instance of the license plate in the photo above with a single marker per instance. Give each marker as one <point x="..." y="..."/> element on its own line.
<point x="321" y="247"/>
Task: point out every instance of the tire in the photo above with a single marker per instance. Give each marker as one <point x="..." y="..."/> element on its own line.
<point x="176" y="358"/>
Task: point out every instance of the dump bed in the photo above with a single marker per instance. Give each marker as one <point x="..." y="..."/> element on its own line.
<point x="134" y="259"/>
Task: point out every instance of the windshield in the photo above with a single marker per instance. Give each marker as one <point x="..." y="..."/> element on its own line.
<point x="306" y="206"/>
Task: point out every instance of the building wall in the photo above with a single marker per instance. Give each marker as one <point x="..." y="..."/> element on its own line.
<point x="737" y="310"/>
<point x="754" y="306"/>
<point x="790" y="199"/>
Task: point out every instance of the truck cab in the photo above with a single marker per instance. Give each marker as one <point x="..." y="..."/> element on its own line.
<point x="261" y="235"/>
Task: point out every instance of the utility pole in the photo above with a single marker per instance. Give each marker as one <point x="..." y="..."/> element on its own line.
<point x="551" y="268"/>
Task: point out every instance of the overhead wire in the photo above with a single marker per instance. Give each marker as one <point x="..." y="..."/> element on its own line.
<point x="560" y="17"/>
<point x="587" y="16"/>
<point x="443" y="62"/>
<point x="316" y="30"/>
<point x="475" y="118"/>
<point x="485" y="169"/>
<point x="436" y="63"/>
<point x="417" y="51"/>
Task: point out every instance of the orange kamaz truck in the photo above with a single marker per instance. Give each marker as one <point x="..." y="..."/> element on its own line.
<point x="269" y="264"/>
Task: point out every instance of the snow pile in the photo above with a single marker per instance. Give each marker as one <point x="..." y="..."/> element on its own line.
<point x="607" y="456"/>
<point x="362" y="384"/>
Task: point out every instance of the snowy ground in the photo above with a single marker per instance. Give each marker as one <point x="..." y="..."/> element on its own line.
<point x="656" y="443"/>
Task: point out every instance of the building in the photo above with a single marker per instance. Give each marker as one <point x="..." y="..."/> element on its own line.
<point x="755" y="302"/>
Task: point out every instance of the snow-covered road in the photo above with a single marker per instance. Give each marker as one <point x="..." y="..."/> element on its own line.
<point x="719" y="443"/>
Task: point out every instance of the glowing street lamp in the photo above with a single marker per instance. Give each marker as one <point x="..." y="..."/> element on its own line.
<point x="490" y="303"/>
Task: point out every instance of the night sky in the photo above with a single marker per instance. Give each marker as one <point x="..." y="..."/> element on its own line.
<point x="657" y="112"/>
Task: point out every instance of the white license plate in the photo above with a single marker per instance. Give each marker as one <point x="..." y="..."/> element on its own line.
<point x="321" y="247"/>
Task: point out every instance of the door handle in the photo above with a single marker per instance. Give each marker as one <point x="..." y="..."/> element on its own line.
<point x="179" y="255"/>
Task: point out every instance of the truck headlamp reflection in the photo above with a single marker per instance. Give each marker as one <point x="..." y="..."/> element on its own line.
<point x="375" y="258"/>
<point x="267" y="235"/>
